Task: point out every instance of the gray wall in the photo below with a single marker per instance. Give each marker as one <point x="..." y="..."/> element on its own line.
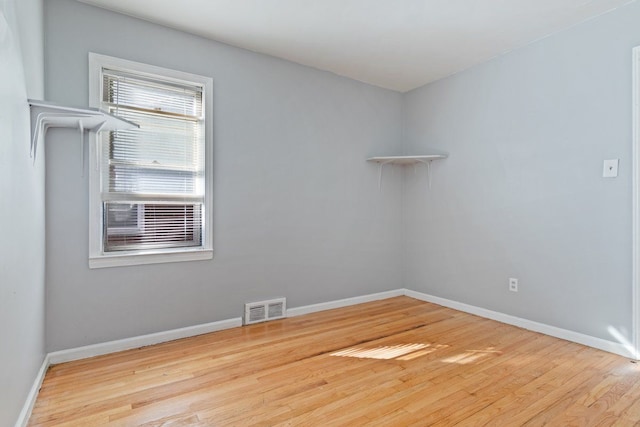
<point x="522" y="194"/>
<point x="298" y="212"/>
<point x="297" y="209"/>
<point x="21" y="208"/>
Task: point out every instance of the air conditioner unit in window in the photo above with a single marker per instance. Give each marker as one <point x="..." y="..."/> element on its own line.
<point x="123" y="219"/>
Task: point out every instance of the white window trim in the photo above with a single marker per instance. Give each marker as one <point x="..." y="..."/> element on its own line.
<point x="99" y="259"/>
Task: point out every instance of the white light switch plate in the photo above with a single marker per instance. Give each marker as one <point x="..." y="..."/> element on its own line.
<point x="610" y="169"/>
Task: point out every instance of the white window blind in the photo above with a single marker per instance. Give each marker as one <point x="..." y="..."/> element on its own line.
<point x="152" y="179"/>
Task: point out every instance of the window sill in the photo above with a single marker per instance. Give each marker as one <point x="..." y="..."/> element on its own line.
<point x="123" y="260"/>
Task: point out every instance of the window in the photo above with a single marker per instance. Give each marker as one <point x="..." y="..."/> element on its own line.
<point x="150" y="191"/>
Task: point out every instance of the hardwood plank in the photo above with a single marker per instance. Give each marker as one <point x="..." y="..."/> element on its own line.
<point x="398" y="361"/>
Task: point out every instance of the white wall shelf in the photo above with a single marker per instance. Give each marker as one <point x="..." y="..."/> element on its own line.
<point x="406" y="161"/>
<point x="45" y="115"/>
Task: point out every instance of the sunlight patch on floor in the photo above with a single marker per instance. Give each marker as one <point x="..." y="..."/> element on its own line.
<point x="471" y="356"/>
<point x="399" y="351"/>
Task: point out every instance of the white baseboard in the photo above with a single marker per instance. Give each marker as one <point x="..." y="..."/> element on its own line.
<point x="588" y="340"/>
<point x="306" y="309"/>
<point x="145" y="340"/>
<point x="30" y="402"/>
<point x="174" y="334"/>
<point x="140" y="341"/>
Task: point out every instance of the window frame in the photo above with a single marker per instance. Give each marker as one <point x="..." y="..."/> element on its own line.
<point x="97" y="257"/>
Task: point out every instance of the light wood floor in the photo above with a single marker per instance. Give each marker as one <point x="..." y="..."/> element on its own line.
<point x="396" y="362"/>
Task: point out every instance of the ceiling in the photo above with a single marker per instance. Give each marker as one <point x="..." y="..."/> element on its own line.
<point x="395" y="44"/>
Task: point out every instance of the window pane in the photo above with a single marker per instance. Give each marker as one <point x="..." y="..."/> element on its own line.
<point x="126" y="89"/>
<point x="152" y="178"/>
<point x="163" y="156"/>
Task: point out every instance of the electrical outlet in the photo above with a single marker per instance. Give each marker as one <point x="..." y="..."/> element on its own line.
<point x="513" y="284"/>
